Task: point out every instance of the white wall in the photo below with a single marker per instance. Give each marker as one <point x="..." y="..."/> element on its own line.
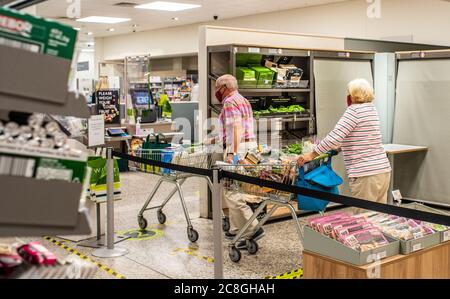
<point x="422" y="21"/>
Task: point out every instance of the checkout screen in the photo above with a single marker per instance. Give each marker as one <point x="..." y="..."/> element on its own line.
<point x="142" y="98"/>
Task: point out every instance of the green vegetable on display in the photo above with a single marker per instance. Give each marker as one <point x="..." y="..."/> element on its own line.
<point x="281" y="109"/>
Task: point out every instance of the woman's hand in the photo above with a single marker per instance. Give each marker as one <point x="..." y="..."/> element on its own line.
<point x="305" y="158"/>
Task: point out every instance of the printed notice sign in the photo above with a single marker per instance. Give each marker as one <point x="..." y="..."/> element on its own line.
<point x="108" y="105"/>
<point x="96" y="130"/>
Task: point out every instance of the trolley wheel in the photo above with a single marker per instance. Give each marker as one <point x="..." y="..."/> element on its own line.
<point x="235" y="254"/>
<point x="161" y="217"/>
<point x="252" y="246"/>
<point x="142" y="222"/>
<point x="192" y="235"/>
<point x="226" y="224"/>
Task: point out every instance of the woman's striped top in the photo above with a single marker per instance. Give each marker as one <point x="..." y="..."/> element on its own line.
<point x="358" y="135"/>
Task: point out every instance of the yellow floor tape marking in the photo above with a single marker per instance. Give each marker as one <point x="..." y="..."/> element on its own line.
<point x="86" y="258"/>
<point x="192" y="251"/>
<point x="296" y="274"/>
<point x="140" y="235"/>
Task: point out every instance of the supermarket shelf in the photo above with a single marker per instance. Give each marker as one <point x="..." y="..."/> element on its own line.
<point x="25" y="88"/>
<point x="82" y="227"/>
<point x="273" y="90"/>
<point x="74" y="105"/>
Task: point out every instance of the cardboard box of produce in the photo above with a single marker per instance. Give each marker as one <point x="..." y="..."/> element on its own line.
<point x="246" y="77"/>
<point x="264" y="76"/>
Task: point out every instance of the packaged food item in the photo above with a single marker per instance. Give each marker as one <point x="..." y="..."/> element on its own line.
<point x="366" y="239"/>
<point x="342" y="232"/>
<point x="339" y="227"/>
<point x="315" y="222"/>
<point x="436" y="227"/>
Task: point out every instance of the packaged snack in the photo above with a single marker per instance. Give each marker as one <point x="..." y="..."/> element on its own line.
<point x="353" y="229"/>
<point x="364" y="240"/>
<point x="319" y="224"/>
<point x="436" y="227"/>
<point x="344" y="223"/>
<point x="312" y="222"/>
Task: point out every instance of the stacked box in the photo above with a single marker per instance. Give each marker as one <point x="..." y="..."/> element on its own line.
<point x="246" y="77"/>
<point x="35" y="34"/>
<point x="264" y="76"/>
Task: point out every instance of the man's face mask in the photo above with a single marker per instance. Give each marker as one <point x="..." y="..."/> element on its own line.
<point x="219" y="94"/>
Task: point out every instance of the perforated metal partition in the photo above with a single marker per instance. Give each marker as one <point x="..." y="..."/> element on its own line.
<point x="422" y="117"/>
<point x="332" y="75"/>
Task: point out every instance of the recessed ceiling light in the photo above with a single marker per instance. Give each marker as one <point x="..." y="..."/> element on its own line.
<point x="87" y="50"/>
<point x="89" y="33"/>
<point x="111" y="29"/>
<point x="135" y="25"/>
<point x="105" y="20"/>
<point x="168" y="6"/>
<point x="77" y="28"/>
<point x="175" y="19"/>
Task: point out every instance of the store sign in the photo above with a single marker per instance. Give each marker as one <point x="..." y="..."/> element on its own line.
<point x="108" y="105"/>
<point x="83" y="66"/>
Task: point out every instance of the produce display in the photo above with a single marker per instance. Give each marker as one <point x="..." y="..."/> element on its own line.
<point x="281" y="109"/>
<point x="352" y="231"/>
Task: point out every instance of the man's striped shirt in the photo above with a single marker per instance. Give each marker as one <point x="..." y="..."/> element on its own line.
<point x="358" y="135"/>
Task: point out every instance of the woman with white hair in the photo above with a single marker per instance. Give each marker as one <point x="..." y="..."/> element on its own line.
<point x="358" y="135"/>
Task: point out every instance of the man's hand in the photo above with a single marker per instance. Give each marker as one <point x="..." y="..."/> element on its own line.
<point x="305" y="158"/>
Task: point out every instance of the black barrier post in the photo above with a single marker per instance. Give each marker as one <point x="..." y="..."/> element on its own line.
<point x="217" y="193"/>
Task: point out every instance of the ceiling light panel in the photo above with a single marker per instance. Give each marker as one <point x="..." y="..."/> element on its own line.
<point x="103" y="20"/>
<point x="168" y="6"/>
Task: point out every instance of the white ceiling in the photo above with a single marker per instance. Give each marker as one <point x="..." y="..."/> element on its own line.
<point x="152" y="19"/>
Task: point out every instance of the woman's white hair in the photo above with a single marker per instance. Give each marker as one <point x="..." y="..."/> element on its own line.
<point x="361" y="91"/>
<point x="227" y="80"/>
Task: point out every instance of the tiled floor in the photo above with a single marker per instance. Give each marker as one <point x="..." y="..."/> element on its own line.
<point x="170" y="254"/>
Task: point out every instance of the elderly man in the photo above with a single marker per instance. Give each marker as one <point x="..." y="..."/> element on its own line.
<point x="238" y="138"/>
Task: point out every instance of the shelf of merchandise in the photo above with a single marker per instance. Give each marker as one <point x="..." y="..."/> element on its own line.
<point x="28" y="206"/>
<point x="222" y="60"/>
<point x="273" y="90"/>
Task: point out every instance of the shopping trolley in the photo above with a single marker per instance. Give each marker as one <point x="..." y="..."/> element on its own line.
<point x="280" y="172"/>
<point x="195" y="156"/>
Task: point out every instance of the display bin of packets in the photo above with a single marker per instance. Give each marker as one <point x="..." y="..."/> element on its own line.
<point x="348" y="238"/>
<point x="412" y="235"/>
<point x="443" y="230"/>
<point x="318" y="243"/>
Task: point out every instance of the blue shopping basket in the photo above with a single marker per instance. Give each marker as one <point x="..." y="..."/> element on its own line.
<point x="317" y="175"/>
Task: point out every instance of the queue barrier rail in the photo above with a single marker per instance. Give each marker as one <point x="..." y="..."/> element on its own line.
<point x="216" y="175"/>
<point x="336" y="198"/>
